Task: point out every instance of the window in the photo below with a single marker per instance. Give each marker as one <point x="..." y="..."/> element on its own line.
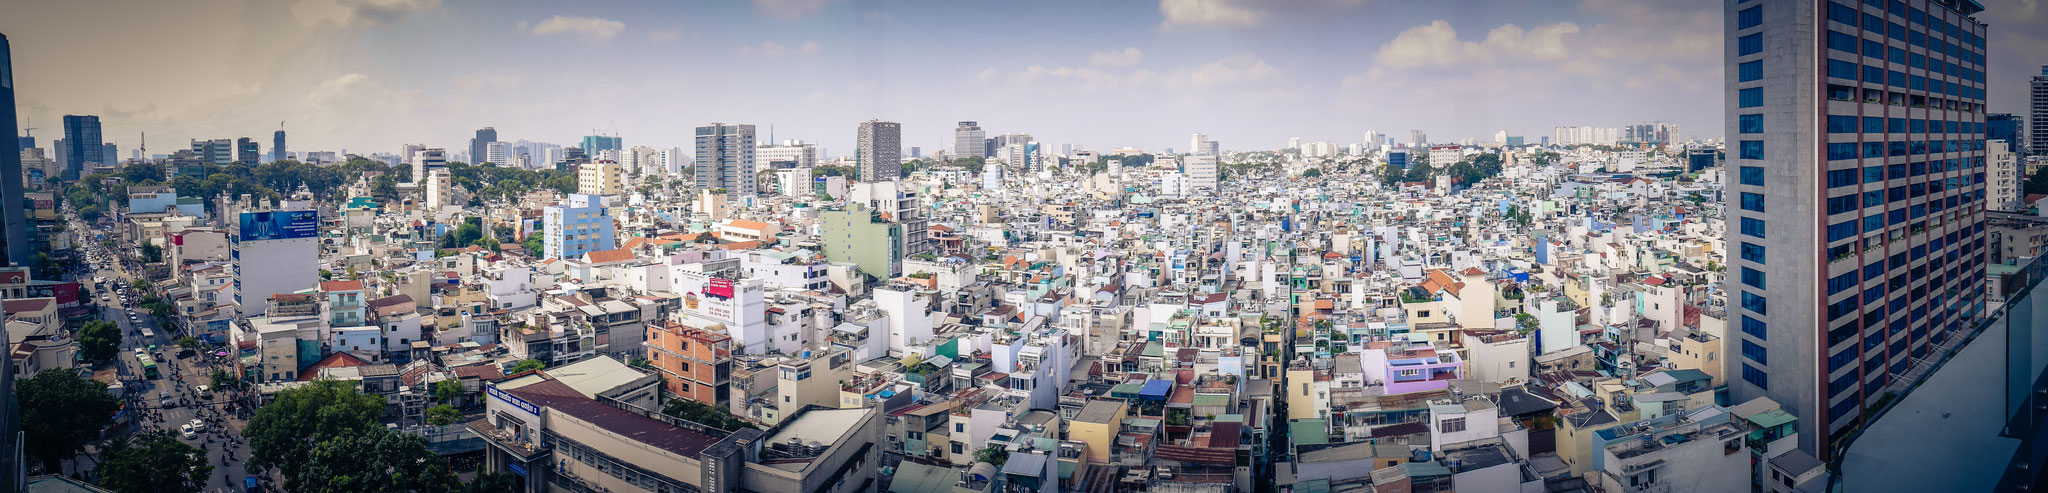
<point x="1753" y="252"/>
<point x="1753" y="202"/>
<point x="1752" y="149"/>
<point x="1755" y="328"/>
<point x="1755" y="353"/>
<point x="1755" y="303"/>
<point x="1753" y="227"/>
<point x="1842" y="123"/>
<point x="1752" y="175"/>
<point x="1750" y="17"/>
<point x="1841" y="13"/>
<point x="1842" y="69"/>
<point x="1750" y="71"/>
<point x="1753" y="278"/>
<point x="1841" y="150"/>
<point x="1452" y="425"/>
<point x="1749" y="45"/>
<point x="1750" y="124"/>
<point x="1756" y="377"/>
<point x="1750" y="98"/>
<point x="1838" y="283"/>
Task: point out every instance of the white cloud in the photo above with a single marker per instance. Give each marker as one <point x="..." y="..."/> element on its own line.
<point x="1230" y="71"/>
<point x="592" y="27"/>
<point x="789" y="10"/>
<point x="986" y="75"/>
<point x="1437" y="44"/>
<point x="771" y="49"/>
<point x="358" y="13"/>
<point x="1229" y="13"/>
<point x="336" y="88"/>
<point x="1117" y="58"/>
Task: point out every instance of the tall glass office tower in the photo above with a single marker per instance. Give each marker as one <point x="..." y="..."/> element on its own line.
<point x="1856" y="199"/>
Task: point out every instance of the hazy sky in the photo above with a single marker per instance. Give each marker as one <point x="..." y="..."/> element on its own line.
<point x="369" y="75"/>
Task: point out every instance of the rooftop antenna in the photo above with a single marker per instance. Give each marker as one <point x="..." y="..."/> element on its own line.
<point x="29" y="129"/>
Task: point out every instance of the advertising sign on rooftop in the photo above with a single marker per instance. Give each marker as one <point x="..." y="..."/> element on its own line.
<point x="279" y="225"/>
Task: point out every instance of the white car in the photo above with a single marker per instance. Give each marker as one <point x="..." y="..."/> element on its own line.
<point x="187" y="432"/>
<point x="196" y="426"/>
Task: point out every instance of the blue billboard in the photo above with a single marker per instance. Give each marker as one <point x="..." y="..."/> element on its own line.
<point x="279" y="225"/>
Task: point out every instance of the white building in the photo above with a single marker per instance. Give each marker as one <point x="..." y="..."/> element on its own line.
<point x="2004" y="191"/>
<point x="424" y="158"/>
<point x="274" y="252"/>
<point x="1202" y="173"/>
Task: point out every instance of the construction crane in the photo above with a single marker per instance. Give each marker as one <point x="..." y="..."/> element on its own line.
<point x="30" y="129"/>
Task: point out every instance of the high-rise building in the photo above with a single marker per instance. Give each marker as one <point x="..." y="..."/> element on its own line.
<point x="969" y="140"/>
<point x="878" y="152"/>
<point x="1417" y="139"/>
<point x="789" y="154"/>
<point x="2004" y="190"/>
<point x="425" y="159"/>
<point x="604" y="177"/>
<point x="214" y="151"/>
<point x="277" y="152"/>
<point x="499" y="153"/>
<point x="596" y="144"/>
<point x="1201" y="171"/>
<point x="2007" y="127"/>
<point x="479" y="146"/>
<point x="274" y="252"/>
<point x="725" y="158"/>
<point x="584" y="225"/>
<point x="13" y="216"/>
<point x="2038" y="142"/>
<point x="1201" y="143"/>
<point x="246" y="151"/>
<point x="82" y="132"/>
<point x="1843" y="280"/>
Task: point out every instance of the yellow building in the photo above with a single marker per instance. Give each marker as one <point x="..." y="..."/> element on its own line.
<point x="1097" y="425"/>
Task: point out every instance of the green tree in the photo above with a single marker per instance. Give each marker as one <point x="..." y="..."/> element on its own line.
<point x="60" y="412"/>
<point x="153" y="462"/>
<point x="489" y="482"/>
<point x="1312" y="173"/>
<point x="136" y="173"/>
<point x="139" y="285"/>
<point x="443" y="415"/>
<point x="699" y="413"/>
<point x="99" y="340"/>
<point x="973" y="164"/>
<point x="284" y="432"/>
<point x="187" y="342"/>
<point x="534" y="244"/>
<point x="526" y="364"/>
<point x="374" y="459"/>
<point x="993" y="454"/>
<point x="223" y="380"/>
<point x="448" y="390"/>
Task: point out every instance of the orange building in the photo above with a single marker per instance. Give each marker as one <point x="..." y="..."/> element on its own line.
<point x="696" y="362"/>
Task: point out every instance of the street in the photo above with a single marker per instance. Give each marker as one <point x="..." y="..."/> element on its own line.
<point x="171" y="400"/>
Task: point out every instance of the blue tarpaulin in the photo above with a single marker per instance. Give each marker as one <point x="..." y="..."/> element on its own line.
<point x="1156" y="389"/>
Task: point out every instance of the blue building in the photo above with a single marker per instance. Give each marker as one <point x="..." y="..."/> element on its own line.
<point x="1397" y="159"/>
<point x="82" y="132"/>
<point x="580" y="227"/>
<point x="594" y="143"/>
<point x="2001" y="126"/>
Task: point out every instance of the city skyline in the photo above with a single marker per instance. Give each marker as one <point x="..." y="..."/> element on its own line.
<point x="370" y="76"/>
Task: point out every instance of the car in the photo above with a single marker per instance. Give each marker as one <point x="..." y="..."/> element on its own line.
<point x="187" y="432"/>
<point x="197" y="425"/>
<point x="167" y="403"/>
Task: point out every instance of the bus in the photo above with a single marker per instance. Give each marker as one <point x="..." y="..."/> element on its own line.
<point x="148" y="366"/>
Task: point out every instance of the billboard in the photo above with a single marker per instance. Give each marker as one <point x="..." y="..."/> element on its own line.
<point x="279" y="225"/>
<point x="719" y="287"/>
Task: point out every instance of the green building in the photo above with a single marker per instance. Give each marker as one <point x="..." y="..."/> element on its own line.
<point x="860" y="236"/>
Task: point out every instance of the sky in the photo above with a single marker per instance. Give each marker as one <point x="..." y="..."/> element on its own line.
<point x="367" y="76"/>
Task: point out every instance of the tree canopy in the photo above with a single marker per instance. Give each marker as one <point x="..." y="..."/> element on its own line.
<point x="99" y="340"/>
<point x="153" y="462"/>
<point x="372" y="460"/>
<point x="283" y="433"/>
<point x="524" y="365"/>
<point x="60" y="412"/>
